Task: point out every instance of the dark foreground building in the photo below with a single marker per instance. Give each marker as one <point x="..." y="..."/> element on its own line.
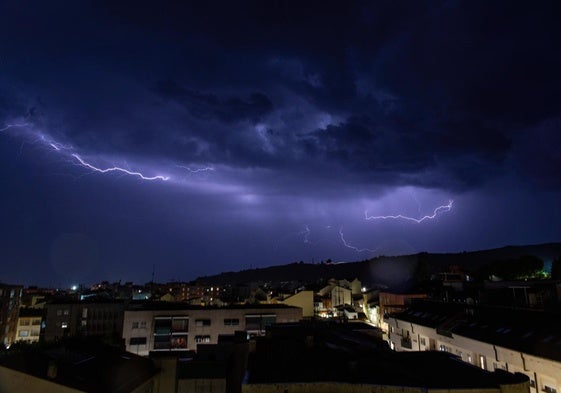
<point x="313" y="358"/>
<point x="75" y="365"/>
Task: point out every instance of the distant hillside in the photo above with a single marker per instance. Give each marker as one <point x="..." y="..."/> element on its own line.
<point x="392" y="271"/>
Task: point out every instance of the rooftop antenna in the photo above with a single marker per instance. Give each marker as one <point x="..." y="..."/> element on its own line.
<point x="152" y="282"/>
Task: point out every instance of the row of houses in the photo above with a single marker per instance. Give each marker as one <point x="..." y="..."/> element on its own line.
<point x="490" y="338"/>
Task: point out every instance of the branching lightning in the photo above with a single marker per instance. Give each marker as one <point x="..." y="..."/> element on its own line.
<point x="439" y="209"/>
<point x="66" y="150"/>
<point x="117" y="169"/>
<point x="348" y="245"/>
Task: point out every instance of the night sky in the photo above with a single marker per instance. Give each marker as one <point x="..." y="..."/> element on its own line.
<point x="220" y="136"/>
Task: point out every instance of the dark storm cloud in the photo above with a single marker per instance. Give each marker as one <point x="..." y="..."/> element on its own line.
<point x="437" y="89"/>
<point x="210" y="106"/>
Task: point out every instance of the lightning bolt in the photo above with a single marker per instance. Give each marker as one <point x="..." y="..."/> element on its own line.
<point x="46" y="140"/>
<point x="439" y="209"/>
<point x="306" y="233"/>
<point x="205" y="169"/>
<point x="8" y="126"/>
<point x="117" y="169"/>
<point x="348" y="245"/>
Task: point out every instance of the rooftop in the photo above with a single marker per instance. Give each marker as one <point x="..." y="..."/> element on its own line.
<point x="82" y="364"/>
<point x="308" y="353"/>
<point x="529" y="331"/>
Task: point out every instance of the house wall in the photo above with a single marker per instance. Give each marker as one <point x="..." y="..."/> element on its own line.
<point x="340" y="296"/>
<point x="28" y="329"/>
<point x="201" y="385"/>
<point x="10" y="298"/>
<point x="304" y="300"/>
<point x="12" y="381"/>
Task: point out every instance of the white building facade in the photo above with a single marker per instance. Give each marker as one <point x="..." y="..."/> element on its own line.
<point x="172" y="327"/>
<point x="463" y="337"/>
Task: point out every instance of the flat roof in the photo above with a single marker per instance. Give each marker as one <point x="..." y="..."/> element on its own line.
<point x="314" y="354"/>
<point x="154" y="306"/>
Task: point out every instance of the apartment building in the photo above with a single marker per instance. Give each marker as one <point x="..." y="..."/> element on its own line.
<point x="10" y="298"/>
<point x="491" y="338"/>
<point x="163" y="326"/>
<point x="29" y="325"/>
<point x="89" y="317"/>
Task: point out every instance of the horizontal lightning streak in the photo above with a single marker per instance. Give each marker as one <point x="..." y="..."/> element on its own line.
<point x="117" y="169"/>
<point x="8" y="126"/>
<point x="196" y="170"/>
<point x="443" y="208"/>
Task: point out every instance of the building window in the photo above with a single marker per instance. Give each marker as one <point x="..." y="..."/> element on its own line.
<point x="66" y="312"/>
<point x="135" y="325"/>
<point x="180" y="324"/>
<point x="162" y="326"/>
<point x="64" y="325"/>
<point x="202" y="339"/>
<point x="482" y="362"/>
<point x="34" y="333"/>
<point x="36" y="322"/>
<point x="259" y="322"/>
<point x="202" y="322"/>
<point x="231" y="322"/>
<point x="24" y="322"/>
<point x="58" y="313"/>
<point x="422" y="341"/>
<point x="143" y="324"/>
<point x="170" y="332"/>
<point x="24" y="333"/>
<point x="162" y="342"/>
<point x="179" y="341"/>
<point x="137" y="341"/>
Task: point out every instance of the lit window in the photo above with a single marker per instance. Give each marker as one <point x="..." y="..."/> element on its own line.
<point x="64" y="325"/>
<point x="179" y="341"/>
<point x="24" y="333"/>
<point x="202" y="339"/>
